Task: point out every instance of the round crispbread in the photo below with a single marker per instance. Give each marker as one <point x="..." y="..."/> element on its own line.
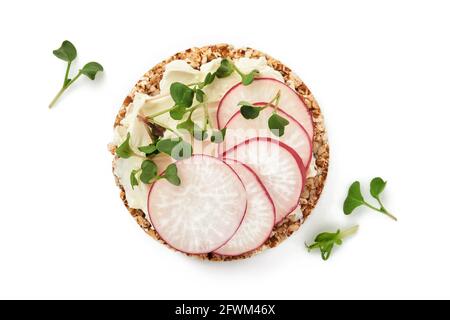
<point x="149" y="84"/>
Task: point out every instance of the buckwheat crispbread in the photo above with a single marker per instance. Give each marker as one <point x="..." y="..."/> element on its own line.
<point x="149" y="84"/>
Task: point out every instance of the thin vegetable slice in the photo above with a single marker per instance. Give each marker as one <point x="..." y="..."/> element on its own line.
<point x="278" y="166"/>
<point x="204" y="211"/>
<point x="259" y="218"/>
<point x="264" y="89"/>
<point x="240" y="129"/>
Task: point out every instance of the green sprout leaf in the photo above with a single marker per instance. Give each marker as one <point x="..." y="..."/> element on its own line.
<point x="247" y="79"/>
<point x="178" y="112"/>
<point x="124" y="150"/>
<point x="133" y="180"/>
<point x="177" y="148"/>
<point x="249" y="110"/>
<point x="377" y="186"/>
<point x="277" y="124"/>
<point x="66" y="51"/>
<point x="225" y="69"/>
<point x="91" y="69"/>
<point x="354" y="198"/>
<point x="325" y="241"/>
<point x="166" y="145"/>
<point x="193" y="129"/>
<point x="187" y="125"/>
<point x="171" y="174"/>
<point x="182" y="94"/>
<point x="199" y="95"/>
<point x="209" y="78"/>
<point x="148" y="150"/>
<point x="149" y="171"/>
<point x="218" y="136"/>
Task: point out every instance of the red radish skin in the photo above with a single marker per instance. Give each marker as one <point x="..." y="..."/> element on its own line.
<point x="204" y="211"/>
<point x="278" y="166"/>
<point x="259" y="218"/>
<point x="240" y="129"/>
<point x="264" y="89"/>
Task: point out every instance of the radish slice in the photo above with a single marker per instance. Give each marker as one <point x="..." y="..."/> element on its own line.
<point x="259" y="218"/>
<point x="264" y="89"/>
<point x="278" y="166"/>
<point x="240" y="129"/>
<point x="204" y="211"/>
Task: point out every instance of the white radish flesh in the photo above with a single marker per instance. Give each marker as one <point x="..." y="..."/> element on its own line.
<point x="240" y="129"/>
<point x="278" y="166"/>
<point x="264" y="89"/>
<point x="204" y="211"/>
<point x="259" y="218"/>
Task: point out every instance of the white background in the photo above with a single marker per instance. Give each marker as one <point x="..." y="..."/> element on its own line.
<point x="380" y="71"/>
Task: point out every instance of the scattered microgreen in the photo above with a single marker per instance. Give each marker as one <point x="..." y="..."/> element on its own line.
<point x="124" y="150"/>
<point x="277" y="124"/>
<point x="148" y="150"/>
<point x="377" y="186"/>
<point x="171" y="174"/>
<point x="182" y="95"/>
<point x="149" y="171"/>
<point x="187" y="125"/>
<point x="192" y="128"/>
<point x="248" y="78"/>
<point x="225" y="69"/>
<point x="209" y="79"/>
<point x="133" y="180"/>
<point x="91" y="69"/>
<point x="67" y="52"/>
<point x="166" y="145"/>
<point x="218" y="136"/>
<point x="200" y="95"/>
<point x="148" y="174"/>
<point x="325" y="241"/>
<point x="355" y="198"/>
<point x="249" y="110"/>
<point x="177" y="148"/>
<point x="178" y="112"/>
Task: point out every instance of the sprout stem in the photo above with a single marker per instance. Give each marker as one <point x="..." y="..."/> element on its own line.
<point x="349" y="231"/>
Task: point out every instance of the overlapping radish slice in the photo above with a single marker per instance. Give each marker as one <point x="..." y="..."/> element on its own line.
<point x="259" y="218"/>
<point x="240" y="129"/>
<point x="278" y="166"/>
<point x="204" y="211"/>
<point x="264" y="89"/>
